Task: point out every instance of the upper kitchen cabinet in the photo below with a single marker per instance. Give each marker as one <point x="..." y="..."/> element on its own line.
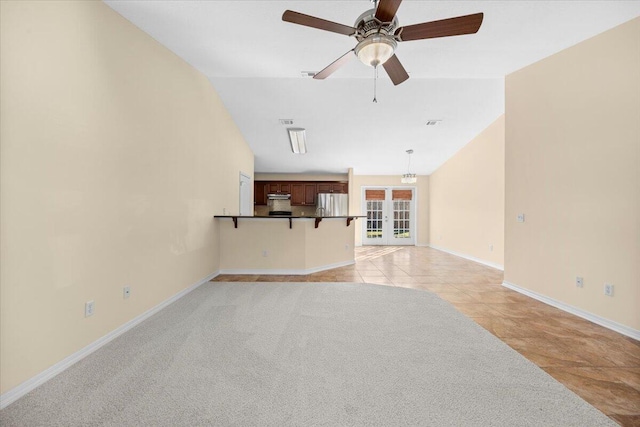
<point x="332" y="187"/>
<point x="279" y="188"/>
<point x="303" y="194"/>
<point x="262" y="188"/>
<point x="260" y="191"/>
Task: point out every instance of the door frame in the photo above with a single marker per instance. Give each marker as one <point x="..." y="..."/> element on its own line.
<point x="414" y="216"/>
<point x="250" y="187"/>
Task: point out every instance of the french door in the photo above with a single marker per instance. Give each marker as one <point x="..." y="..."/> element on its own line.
<point x="390" y="216"/>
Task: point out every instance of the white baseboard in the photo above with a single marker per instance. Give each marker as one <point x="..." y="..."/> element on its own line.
<point x="609" y="324"/>
<point x="283" y="272"/>
<point x="469" y="257"/>
<point x="17" y="392"/>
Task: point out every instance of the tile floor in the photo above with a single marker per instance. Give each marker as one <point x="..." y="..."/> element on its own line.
<point x="601" y="366"/>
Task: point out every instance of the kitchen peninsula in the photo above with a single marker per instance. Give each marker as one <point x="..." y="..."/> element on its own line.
<point x="284" y="244"/>
<point x="299" y="226"/>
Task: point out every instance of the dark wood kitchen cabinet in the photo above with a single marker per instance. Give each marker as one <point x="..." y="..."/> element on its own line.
<point x="303" y="194"/>
<point x="340" y="187"/>
<point x="259" y="193"/>
<point x="310" y="194"/>
<point x="332" y="187"/>
<point x="262" y="188"/>
<point x="279" y="188"/>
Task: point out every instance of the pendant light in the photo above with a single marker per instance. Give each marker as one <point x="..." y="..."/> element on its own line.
<point x="409" y="178"/>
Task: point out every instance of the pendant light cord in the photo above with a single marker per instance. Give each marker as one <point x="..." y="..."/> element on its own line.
<point x="375" y="80"/>
<point x="409" y="152"/>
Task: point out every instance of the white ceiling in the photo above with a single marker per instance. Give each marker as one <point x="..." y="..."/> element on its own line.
<point x="254" y="60"/>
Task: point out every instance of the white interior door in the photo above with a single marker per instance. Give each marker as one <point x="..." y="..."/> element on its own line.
<point x="390" y="216"/>
<point x="246" y="196"/>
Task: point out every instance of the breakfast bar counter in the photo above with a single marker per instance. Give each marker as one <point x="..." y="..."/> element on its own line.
<point x="284" y="244"/>
<point x="317" y="219"/>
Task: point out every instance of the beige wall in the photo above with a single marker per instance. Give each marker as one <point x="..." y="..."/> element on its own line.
<point x="573" y="169"/>
<point x="302" y="247"/>
<point x="111" y="170"/>
<point x="357" y="184"/>
<point x="467" y="199"/>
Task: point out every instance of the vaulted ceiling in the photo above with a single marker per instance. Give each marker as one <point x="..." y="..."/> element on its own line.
<point x="255" y="60"/>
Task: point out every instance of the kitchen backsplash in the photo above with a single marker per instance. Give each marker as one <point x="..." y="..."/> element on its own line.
<point x="280" y="205"/>
<point x="303" y="210"/>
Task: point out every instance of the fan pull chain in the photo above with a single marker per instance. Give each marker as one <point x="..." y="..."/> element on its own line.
<point x="375" y="80"/>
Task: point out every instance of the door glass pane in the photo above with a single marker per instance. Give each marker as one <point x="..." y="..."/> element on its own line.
<point x="374" y="219"/>
<point x="401" y="219"/>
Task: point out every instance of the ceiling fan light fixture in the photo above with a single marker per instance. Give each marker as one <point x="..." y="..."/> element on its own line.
<point x="376" y="49"/>
<point x="298" y="139"/>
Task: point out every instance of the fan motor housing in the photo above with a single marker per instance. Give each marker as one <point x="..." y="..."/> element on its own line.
<point x="367" y="24"/>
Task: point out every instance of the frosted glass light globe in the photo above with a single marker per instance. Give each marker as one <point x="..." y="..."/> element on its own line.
<point x="376" y="49"/>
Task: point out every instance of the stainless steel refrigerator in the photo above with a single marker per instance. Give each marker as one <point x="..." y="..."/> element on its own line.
<point x="332" y="204"/>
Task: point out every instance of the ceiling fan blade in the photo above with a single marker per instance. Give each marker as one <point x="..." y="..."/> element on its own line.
<point x="387" y="10"/>
<point x="396" y="71"/>
<point x="312" y="21"/>
<point x="334" y="66"/>
<point x="468" y="24"/>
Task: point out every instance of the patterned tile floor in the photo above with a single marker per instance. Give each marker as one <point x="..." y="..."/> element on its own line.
<point x="601" y="366"/>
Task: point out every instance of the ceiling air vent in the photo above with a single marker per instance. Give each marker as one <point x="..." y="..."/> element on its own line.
<point x="433" y="122"/>
<point x="287" y="122"/>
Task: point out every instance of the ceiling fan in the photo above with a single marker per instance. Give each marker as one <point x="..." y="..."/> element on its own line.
<point x="378" y="33"/>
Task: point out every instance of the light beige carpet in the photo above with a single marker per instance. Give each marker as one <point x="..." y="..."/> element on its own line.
<point x="304" y="354"/>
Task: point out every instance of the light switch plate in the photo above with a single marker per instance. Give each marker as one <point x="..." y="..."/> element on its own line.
<point x="521" y="217"/>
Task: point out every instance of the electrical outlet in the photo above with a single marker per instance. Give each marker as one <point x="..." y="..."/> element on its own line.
<point x="126" y="292"/>
<point x="579" y="282"/>
<point x="265" y="253"/>
<point x="608" y="289"/>
<point x="89" y="308"/>
<point x="346" y="247"/>
<point x="491" y="248"/>
<point x="521" y="217"/>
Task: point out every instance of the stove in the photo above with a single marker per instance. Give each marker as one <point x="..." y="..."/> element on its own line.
<point x="280" y="213"/>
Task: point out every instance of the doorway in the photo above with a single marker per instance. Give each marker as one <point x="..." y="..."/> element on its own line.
<point x="390" y="215"/>
<point x="246" y="197"/>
